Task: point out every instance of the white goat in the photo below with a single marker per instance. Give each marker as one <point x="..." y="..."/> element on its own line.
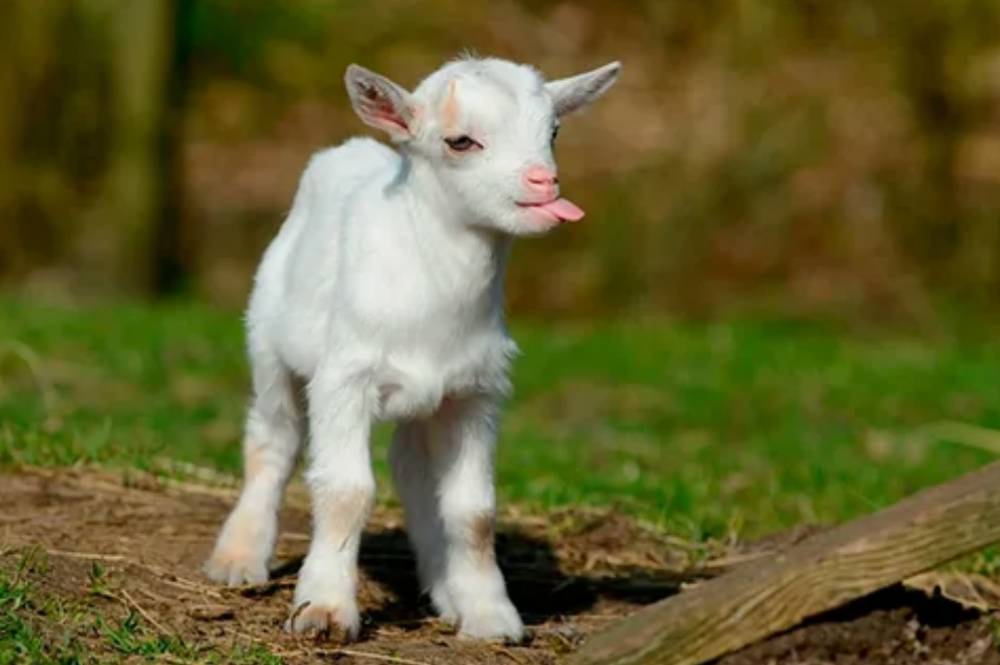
<point x="383" y="291"/>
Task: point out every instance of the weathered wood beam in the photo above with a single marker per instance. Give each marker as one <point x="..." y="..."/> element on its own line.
<point x="822" y="572"/>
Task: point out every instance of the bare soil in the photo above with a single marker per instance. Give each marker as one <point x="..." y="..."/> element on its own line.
<point x="569" y="573"/>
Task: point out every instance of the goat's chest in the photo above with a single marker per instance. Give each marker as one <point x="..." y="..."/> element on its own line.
<point x="431" y="315"/>
<point x="413" y="378"/>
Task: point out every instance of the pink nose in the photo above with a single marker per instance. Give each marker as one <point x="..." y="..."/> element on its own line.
<point x="541" y="179"/>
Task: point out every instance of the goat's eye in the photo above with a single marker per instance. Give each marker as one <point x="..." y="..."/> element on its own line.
<point x="462" y="143"/>
<point x="555" y="133"/>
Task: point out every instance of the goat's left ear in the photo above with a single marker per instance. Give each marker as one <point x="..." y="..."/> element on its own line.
<point x="381" y="103"/>
<point x="573" y="93"/>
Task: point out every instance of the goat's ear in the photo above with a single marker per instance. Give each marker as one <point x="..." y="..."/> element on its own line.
<point x="573" y="93"/>
<point x="381" y="103"/>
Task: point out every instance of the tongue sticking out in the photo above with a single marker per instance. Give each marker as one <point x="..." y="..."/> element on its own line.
<point x="563" y="210"/>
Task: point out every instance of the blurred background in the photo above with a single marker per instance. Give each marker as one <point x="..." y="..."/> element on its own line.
<point x="832" y="160"/>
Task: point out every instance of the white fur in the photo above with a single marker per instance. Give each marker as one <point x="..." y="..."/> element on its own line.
<point x="383" y="290"/>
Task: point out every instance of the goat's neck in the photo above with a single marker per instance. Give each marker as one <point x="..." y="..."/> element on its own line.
<point x="457" y="251"/>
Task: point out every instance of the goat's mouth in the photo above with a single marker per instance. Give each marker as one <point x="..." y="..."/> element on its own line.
<point x="556" y="210"/>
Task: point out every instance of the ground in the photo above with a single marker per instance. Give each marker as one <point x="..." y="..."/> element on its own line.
<point x="105" y="566"/>
<point x="635" y="457"/>
<point x="120" y="558"/>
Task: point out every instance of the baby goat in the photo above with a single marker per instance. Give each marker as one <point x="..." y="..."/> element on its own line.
<point x="383" y="291"/>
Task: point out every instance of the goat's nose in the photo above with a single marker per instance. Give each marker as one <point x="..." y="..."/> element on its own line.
<point x="540" y="178"/>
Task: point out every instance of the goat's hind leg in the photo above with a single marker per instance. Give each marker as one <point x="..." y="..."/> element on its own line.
<point x="270" y="445"/>
<point x="450" y="514"/>
<point x="413" y="473"/>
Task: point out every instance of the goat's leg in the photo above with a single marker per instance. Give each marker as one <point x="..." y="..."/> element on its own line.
<point x="342" y="489"/>
<point x="461" y="442"/>
<point x="413" y="475"/>
<point x="270" y="445"/>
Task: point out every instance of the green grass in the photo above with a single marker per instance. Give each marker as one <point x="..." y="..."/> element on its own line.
<point x="35" y="628"/>
<point x="42" y="629"/>
<point x="744" y="427"/>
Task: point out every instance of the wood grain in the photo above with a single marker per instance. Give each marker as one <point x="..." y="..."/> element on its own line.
<point x="822" y="572"/>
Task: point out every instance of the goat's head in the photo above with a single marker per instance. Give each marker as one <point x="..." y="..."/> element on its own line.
<point x="487" y="129"/>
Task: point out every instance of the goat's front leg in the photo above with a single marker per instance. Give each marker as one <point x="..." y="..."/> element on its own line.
<point x="342" y="491"/>
<point x="461" y="442"/>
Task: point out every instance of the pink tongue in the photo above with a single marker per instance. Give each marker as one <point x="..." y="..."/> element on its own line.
<point x="564" y="210"/>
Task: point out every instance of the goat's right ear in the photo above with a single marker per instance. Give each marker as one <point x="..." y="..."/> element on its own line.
<point x="381" y="103"/>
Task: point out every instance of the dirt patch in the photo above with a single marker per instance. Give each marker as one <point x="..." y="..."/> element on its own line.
<point x="569" y="573"/>
<point x="893" y="626"/>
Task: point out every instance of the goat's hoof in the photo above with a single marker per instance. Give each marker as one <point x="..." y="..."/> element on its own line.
<point x="326" y="621"/>
<point x="443" y="605"/>
<point x="494" y="621"/>
<point x="236" y="568"/>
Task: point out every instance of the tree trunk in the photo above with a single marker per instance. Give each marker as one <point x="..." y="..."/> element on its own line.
<point x="128" y="221"/>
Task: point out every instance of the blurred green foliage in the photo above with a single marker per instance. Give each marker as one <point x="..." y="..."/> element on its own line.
<point x="231" y="38"/>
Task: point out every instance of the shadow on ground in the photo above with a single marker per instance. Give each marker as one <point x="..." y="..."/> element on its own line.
<point x="538" y="583"/>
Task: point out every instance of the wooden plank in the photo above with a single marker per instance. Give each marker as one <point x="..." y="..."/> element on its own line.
<point x="829" y="569"/>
